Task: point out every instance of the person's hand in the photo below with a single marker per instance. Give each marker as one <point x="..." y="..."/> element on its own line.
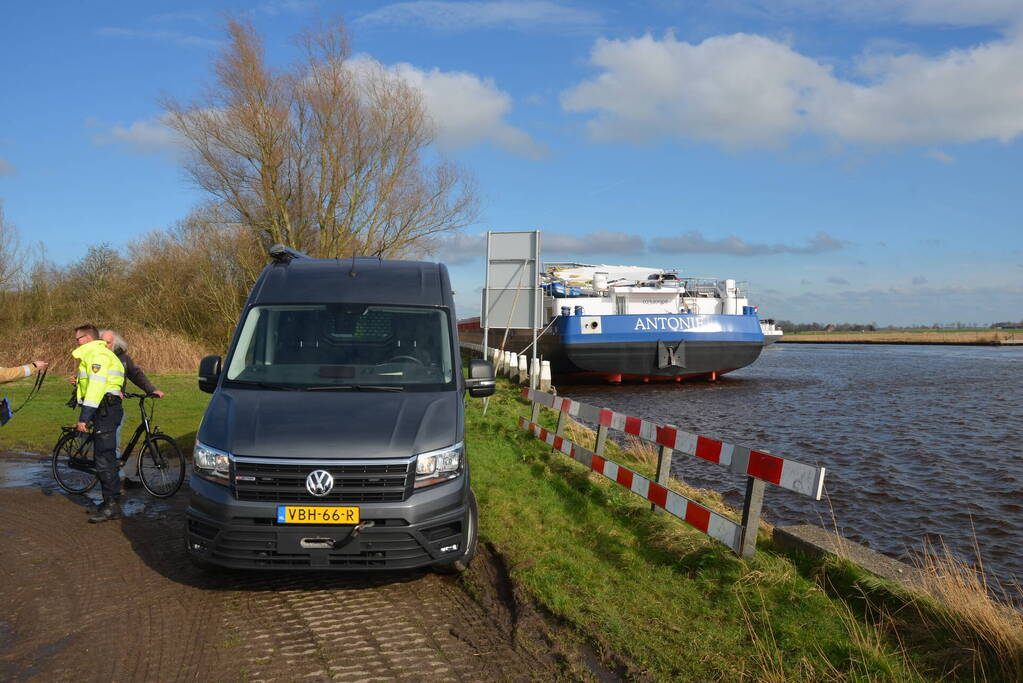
<point x="158" y="393"/>
<point x="80" y="427"/>
<point x="72" y="380"/>
<point x="40" y="364"/>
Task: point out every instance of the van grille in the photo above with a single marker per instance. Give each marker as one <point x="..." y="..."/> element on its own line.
<point x="283" y="482"/>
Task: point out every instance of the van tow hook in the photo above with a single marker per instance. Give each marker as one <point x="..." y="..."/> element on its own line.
<point x="355" y="532"/>
<point x="360" y="527"/>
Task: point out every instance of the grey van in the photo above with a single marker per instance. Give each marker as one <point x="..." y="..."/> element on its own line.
<point x="335" y="437"/>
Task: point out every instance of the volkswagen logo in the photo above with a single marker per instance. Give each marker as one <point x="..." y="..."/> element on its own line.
<point x="319" y="482"/>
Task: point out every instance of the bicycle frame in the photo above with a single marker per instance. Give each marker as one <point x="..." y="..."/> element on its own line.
<point x="145" y="427"/>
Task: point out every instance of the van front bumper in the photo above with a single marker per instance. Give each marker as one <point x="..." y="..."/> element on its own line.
<point x="428" y="528"/>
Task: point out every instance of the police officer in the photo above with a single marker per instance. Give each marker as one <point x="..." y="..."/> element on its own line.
<point x="11" y="374"/>
<point x="100" y="380"/>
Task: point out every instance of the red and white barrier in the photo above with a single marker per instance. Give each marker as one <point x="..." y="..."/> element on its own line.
<point x="709" y="522"/>
<point x="788" y="474"/>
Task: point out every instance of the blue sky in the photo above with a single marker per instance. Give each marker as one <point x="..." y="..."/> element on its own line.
<point x="853" y="161"/>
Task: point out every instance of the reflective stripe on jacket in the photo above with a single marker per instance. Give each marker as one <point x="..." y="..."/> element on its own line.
<point x="99" y="373"/>
<point x="11" y="374"/>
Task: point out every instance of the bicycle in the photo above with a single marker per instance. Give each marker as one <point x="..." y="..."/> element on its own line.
<point x="161" y="466"/>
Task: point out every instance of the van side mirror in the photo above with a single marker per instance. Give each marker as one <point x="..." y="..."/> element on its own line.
<point x="209" y="373"/>
<point x="480" y="381"/>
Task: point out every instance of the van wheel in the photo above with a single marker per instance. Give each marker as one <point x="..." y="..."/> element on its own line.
<point x="472" y="532"/>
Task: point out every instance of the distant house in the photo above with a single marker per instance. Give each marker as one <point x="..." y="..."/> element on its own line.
<point x="829" y="328"/>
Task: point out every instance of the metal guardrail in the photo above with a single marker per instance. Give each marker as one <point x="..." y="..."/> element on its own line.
<point x="760" y="468"/>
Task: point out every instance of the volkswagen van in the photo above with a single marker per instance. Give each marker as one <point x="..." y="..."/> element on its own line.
<point x="335" y="437"/>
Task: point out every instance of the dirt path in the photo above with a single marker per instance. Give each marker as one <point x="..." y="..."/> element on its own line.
<point x="119" y="601"/>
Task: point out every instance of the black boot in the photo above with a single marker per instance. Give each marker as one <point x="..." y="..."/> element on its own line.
<point x="107" y="512"/>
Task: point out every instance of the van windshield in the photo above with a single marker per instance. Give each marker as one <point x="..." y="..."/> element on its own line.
<point x="343" y="346"/>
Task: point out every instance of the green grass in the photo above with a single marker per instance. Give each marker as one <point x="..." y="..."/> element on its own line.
<point x="37" y="427"/>
<point x="648" y="587"/>
<point x="645" y="587"/>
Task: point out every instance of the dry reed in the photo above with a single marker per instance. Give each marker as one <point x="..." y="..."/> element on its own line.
<point x="155" y="351"/>
<point x="977" y="611"/>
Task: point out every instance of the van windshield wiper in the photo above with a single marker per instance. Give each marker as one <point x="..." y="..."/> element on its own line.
<point x="270" y="385"/>
<point x="357" y="387"/>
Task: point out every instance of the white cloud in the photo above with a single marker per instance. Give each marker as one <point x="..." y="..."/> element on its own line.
<point x="466" y="108"/>
<point x="7" y="168"/>
<point x="920" y="12"/>
<point x="275" y="8"/>
<point x="462" y="248"/>
<point x="750" y="91"/>
<point x="693" y="242"/>
<point x="159" y="36"/>
<point x="942" y="156"/>
<point x="141" y="137"/>
<point x="525" y="15"/>
<point x="596" y="242"/>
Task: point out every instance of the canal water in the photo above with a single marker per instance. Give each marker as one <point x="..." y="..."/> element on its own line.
<point x="918" y="441"/>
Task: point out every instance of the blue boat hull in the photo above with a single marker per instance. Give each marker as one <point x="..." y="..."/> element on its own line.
<point x="653" y="347"/>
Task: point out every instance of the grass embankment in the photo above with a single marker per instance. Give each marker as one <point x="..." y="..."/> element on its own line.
<point x="980" y="336"/>
<point x="37" y="427"/>
<point x="645" y="588"/>
<point x="681" y="606"/>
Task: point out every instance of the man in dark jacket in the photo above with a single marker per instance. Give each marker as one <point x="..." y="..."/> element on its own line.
<point x="134" y="373"/>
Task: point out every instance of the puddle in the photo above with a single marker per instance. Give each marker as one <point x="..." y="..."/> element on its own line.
<point x="24" y="469"/>
<point x="29" y="469"/>
<point x="144" y="509"/>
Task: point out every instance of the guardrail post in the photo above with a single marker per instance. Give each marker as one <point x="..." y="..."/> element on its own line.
<point x="560" y="428"/>
<point x="598" y="447"/>
<point x="663" y="472"/>
<point x="751" y="516"/>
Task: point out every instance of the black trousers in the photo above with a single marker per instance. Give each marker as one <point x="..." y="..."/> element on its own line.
<point x="105" y="423"/>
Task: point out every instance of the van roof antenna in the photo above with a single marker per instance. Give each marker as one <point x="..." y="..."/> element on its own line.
<point x="351" y="272"/>
<point x="283" y="254"/>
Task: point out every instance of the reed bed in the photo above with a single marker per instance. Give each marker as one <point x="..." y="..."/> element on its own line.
<point x="978" y="612"/>
<point x="156" y="351"/>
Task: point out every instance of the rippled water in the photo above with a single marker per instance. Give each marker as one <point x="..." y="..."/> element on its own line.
<point x="919" y="441"/>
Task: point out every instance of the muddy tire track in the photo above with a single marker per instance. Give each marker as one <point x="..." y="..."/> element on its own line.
<point x="120" y="601"/>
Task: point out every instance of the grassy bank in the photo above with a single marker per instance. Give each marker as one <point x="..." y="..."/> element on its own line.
<point x="645" y="589"/>
<point x="37" y="427"/>
<point x="981" y="336"/>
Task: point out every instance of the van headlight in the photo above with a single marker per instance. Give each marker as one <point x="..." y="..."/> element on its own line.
<point x="433" y="467"/>
<point x="211" y="463"/>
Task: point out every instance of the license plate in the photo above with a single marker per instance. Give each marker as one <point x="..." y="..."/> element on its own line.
<point x="309" y="514"/>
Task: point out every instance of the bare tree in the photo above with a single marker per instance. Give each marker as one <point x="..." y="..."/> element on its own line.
<point x="322" y="156"/>
<point x="12" y="262"/>
<point x="194" y="278"/>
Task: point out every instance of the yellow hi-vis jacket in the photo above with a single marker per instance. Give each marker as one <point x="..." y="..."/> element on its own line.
<point x="99" y="373"/>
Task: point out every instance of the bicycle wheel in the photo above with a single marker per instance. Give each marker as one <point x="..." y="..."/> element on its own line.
<point x="161" y="466"/>
<point x="70" y="456"/>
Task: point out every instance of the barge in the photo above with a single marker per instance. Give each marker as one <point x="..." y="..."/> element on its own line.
<point x="635" y="324"/>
